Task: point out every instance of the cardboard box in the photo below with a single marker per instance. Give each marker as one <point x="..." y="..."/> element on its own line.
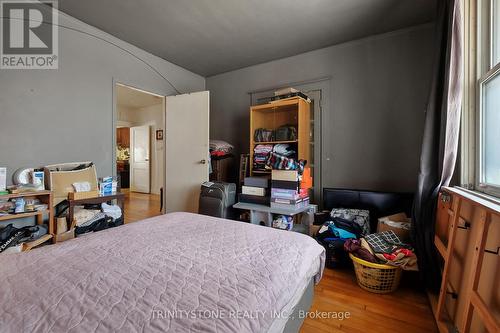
<point x="399" y="223"/>
<point x="257" y="182"/>
<point x="288" y="175"/>
<point x="252" y="190"/>
<point x="82" y="195"/>
<point x="285" y="185"/>
<point x="65" y="236"/>
<point x="313" y="229"/>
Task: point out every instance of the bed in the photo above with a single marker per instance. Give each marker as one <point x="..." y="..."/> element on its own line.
<point x="178" y="272"/>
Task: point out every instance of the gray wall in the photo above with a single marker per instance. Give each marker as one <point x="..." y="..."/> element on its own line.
<point x="53" y="116"/>
<point x="374" y="122"/>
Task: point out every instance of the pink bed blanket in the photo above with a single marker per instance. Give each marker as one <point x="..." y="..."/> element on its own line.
<point x="178" y="272"/>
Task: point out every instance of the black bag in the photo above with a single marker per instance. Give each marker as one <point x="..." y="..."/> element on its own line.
<point x="336" y="256"/>
<point x="98" y="225"/>
<point x="286" y="133"/>
<point x="263" y="135"/>
<point x="217" y="199"/>
<point x="12" y="236"/>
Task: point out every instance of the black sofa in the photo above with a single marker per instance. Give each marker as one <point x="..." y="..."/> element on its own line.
<point x="379" y="204"/>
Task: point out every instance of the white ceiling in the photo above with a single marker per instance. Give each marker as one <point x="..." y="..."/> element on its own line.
<point x="214" y="36"/>
<point x="133" y="98"/>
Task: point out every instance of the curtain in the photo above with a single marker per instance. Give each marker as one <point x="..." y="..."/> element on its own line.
<point x="441" y="134"/>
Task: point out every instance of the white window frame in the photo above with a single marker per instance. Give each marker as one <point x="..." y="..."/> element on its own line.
<point x="479" y="70"/>
<point x="481" y="184"/>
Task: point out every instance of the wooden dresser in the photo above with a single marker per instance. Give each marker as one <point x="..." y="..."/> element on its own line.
<point x="467" y="240"/>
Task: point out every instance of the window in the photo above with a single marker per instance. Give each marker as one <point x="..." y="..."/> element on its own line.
<point x="486" y="124"/>
<point x="489" y="131"/>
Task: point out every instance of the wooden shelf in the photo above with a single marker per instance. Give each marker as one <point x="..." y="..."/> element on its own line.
<point x="21" y="215"/>
<point x="45" y="197"/>
<point x="25" y="194"/>
<point x="262" y="171"/>
<point x="294" y="101"/>
<point x="274" y="142"/>
<point x="287" y="112"/>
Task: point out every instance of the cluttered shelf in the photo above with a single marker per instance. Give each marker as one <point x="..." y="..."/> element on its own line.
<point x="23" y="194"/>
<point x="65" y="200"/>
<point x="21" y="215"/>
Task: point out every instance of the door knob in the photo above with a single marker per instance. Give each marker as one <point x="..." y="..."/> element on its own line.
<point x="203" y="162"/>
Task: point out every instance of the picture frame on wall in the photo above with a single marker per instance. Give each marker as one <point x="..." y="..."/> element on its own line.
<point x="159" y="134"/>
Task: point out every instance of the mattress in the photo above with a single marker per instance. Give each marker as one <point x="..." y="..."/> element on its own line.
<point x="178" y="272"/>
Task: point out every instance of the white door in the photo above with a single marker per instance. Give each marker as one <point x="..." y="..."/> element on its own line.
<point x="186" y="142"/>
<point x="140" y="159"/>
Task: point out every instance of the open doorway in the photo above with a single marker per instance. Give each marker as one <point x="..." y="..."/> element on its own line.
<point x="140" y="151"/>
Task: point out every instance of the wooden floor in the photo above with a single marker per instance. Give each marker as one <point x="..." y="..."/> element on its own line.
<point x="139" y="206"/>
<point x="406" y="310"/>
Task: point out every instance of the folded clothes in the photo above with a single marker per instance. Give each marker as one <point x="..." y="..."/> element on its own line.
<point x="263" y="149"/>
<point x="280" y="162"/>
<point x="284" y="149"/>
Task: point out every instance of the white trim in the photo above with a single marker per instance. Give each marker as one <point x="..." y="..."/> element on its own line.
<point x="468" y="119"/>
<point x="485" y="200"/>
<point x="478" y="70"/>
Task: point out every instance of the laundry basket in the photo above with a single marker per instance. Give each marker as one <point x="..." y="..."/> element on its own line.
<point x="376" y="278"/>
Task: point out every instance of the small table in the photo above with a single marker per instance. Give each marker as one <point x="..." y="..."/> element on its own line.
<point x="264" y="214"/>
<point x="119" y="197"/>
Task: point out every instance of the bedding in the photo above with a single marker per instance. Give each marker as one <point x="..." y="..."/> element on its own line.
<point x="178" y="272"/>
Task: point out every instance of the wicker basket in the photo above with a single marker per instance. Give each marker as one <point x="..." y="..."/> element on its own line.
<point x="376" y="278"/>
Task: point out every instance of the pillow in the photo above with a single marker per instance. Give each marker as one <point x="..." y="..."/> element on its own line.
<point x="359" y="216"/>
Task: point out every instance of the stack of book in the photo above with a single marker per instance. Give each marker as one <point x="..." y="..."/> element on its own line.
<point x="286" y="192"/>
<point x="255" y="191"/>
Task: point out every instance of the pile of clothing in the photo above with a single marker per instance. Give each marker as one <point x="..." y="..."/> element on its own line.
<point x="90" y="217"/>
<point x="220" y="148"/>
<point x="260" y="156"/>
<point x="12" y="237"/>
<point x="97" y="218"/>
<point x="333" y="235"/>
<point x="284" y="157"/>
<point x="383" y="248"/>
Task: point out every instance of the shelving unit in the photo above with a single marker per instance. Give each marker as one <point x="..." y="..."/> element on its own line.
<point x="294" y="112"/>
<point x="44" y="197"/>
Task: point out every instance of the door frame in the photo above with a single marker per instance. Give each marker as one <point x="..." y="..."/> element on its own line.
<point x="115" y="83"/>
